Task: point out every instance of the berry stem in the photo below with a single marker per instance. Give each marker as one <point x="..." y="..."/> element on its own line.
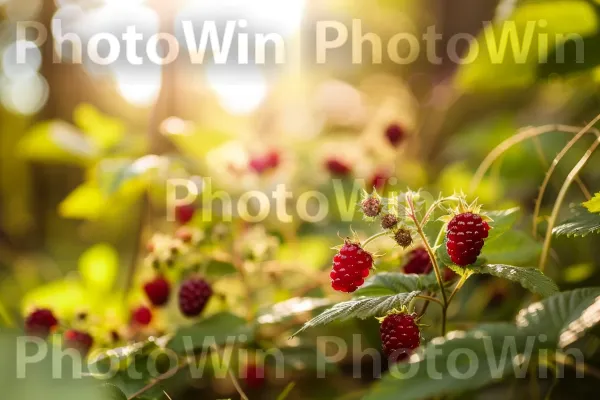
<point x="234" y="380"/>
<point x="436" y="267"/>
<point x="458" y="286"/>
<point x="370" y="239"/>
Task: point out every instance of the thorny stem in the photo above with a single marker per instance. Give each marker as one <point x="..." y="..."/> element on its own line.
<point x="436" y="267"/>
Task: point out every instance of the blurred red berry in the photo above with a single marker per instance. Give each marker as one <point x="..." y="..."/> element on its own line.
<point x="265" y="162"/>
<point x="79" y="340"/>
<point x="184" y="213"/>
<point x="379" y="179"/>
<point x="449" y="274"/>
<point x="142" y="316"/>
<point x="254" y="376"/>
<point x="465" y="238"/>
<point x="158" y="291"/>
<point x="418" y="262"/>
<point x="337" y="167"/>
<point x="351" y="265"/>
<point x="40" y="323"/>
<point x="193" y="297"/>
<point x="394" y="134"/>
<point x="184" y="234"/>
<point x="400" y="335"/>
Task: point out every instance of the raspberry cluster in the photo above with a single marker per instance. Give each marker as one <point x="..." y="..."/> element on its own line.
<point x="351" y="265"/>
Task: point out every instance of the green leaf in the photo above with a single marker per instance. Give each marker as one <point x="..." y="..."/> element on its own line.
<point x="463" y="361"/>
<point x="362" y="307"/>
<point x="118" y="174"/>
<point x="581" y="224"/>
<point x="59" y="142"/>
<point x="502" y="222"/>
<point x="516" y="248"/>
<point x="514" y="63"/>
<point x="219" y="268"/>
<point x="564" y="317"/>
<point x="570" y="57"/>
<point x="217" y="329"/>
<point x="98" y="267"/>
<point x="531" y="279"/>
<point x="303" y="358"/>
<point x="85" y="202"/>
<point x="414" y="380"/>
<point x="113" y="392"/>
<point x="196" y="143"/>
<point x="105" y="132"/>
<point x="577" y="273"/>
<point x="64" y="297"/>
<point x="386" y="283"/>
<point x="288" y="308"/>
<point x="593" y="205"/>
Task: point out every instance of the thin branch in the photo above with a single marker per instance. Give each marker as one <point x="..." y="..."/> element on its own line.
<point x="559" y="156"/>
<point x="161" y="378"/>
<point x="560" y="198"/>
<point x="436" y="267"/>
<point x="512" y="141"/>
<point x="429" y="298"/>
<point x="370" y="239"/>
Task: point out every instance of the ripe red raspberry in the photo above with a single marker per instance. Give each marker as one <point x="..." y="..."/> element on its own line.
<point x="184" y="213"/>
<point x="394" y="134"/>
<point x="464" y="238"/>
<point x="351" y="265"/>
<point x="158" y="291"/>
<point x="265" y="162"/>
<point x="193" y="296"/>
<point x="400" y="335"/>
<point x="141" y="316"/>
<point x="40" y="323"/>
<point x="337" y="167"/>
<point x="254" y="376"/>
<point x="78" y="340"/>
<point x="418" y="262"/>
<point x="371" y="206"/>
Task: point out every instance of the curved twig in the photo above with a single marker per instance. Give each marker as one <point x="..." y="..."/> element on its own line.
<point x="559" y="156"/>
<point x="521" y="136"/>
<point x="560" y="198"/>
